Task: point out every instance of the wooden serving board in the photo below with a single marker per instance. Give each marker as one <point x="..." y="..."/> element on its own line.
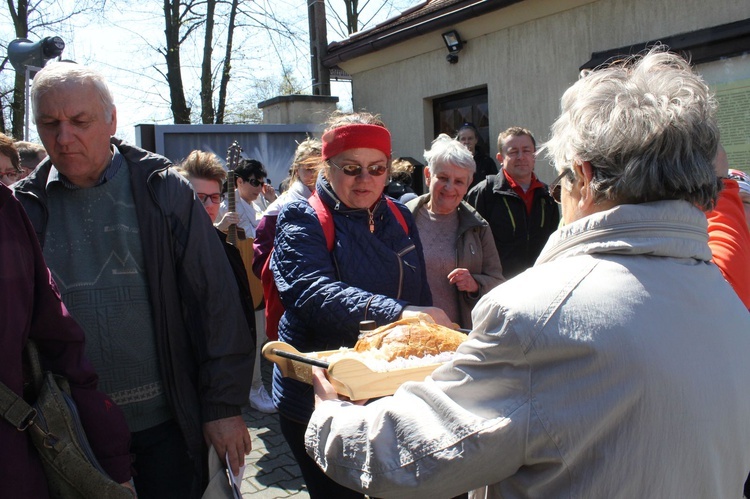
<point x="349" y="377"/>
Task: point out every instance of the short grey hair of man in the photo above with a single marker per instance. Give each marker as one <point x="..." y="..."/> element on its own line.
<point x="647" y="126"/>
<point x="448" y="151"/>
<point x="69" y="73"/>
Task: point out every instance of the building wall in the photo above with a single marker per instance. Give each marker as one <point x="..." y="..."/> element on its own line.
<point x="526" y="63"/>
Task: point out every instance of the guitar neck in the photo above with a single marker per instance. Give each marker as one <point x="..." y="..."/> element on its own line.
<point x="231" y="206"/>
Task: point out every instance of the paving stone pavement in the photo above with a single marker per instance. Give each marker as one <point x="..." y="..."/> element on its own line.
<point x="271" y="471"/>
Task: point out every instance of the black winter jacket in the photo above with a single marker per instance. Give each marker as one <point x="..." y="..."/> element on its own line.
<point x="519" y="237"/>
<point x="205" y="349"/>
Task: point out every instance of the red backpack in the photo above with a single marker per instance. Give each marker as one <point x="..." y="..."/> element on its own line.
<point x="274" y="308"/>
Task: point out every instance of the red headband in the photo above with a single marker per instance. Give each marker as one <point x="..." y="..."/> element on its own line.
<point x="338" y="140"/>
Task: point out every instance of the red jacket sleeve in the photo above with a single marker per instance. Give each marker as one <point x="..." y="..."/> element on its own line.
<point x="729" y="240"/>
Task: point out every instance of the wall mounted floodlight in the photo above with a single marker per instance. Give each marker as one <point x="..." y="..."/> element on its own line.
<point x="454" y="43"/>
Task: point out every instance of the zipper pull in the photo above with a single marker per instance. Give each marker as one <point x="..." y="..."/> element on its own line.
<point x="372" y="222"/>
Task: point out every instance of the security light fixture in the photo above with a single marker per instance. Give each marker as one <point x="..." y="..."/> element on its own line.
<point x="454" y="43"/>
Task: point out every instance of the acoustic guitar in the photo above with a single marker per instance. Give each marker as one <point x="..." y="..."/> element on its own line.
<point x="236" y="235"/>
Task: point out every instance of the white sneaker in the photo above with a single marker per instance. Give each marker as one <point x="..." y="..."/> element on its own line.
<point x="261" y="401"/>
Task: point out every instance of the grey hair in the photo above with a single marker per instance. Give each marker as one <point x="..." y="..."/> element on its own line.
<point x="647" y="126"/>
<point x="68" y="73"/>
<point x="448" y="151"/>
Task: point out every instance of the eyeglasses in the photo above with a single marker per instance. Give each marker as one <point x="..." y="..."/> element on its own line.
<point x="14" y="175"/>
<point x="354" y="169"/>
<point x="215" y="198"/>
<point x="555" y="188"/>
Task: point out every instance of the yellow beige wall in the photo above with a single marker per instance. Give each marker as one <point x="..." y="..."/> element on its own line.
<point x="526" y="55"/>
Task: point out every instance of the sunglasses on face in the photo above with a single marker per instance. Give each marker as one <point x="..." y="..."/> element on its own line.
<point x="555" y="188"/>
<point x="254" y="182"/>
<point x="354" y="169"/>
<point x="215" y="198"/>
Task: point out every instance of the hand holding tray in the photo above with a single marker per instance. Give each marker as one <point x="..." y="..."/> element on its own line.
<point x="349" y="376"/>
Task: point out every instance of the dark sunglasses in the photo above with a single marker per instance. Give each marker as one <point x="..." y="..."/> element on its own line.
<point x="215" y="198"/>
<point x="555" y="188"/>
<point x="254" y="182"/>
<point x="354" y="169"/>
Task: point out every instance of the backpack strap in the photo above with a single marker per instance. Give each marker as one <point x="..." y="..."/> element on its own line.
<point x="397" y="213"/>
<point x="326" y="219"/>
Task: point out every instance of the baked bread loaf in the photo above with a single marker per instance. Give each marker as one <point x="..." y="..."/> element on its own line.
<point x="412" y="337"/>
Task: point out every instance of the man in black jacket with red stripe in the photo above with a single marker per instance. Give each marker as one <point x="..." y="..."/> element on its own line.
<point x="515" y="203"/>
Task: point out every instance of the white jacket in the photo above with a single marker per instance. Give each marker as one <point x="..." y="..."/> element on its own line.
<point x="615" y="367"/>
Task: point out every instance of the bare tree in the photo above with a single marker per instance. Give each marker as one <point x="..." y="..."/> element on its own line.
<point x="226" y="65"/>
<point x="207" y="105"/>
<point x="359" y="16"/>
<point x="220" y="21"/>
<point x="176" y="16"/>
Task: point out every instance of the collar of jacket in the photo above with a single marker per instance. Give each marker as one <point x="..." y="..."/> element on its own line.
<point x="670" y="228"/>
<point x="468" y="218"/>
<point x="503" y="187"/>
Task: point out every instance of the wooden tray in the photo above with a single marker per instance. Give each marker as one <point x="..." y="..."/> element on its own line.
<point x="349" y="377"/>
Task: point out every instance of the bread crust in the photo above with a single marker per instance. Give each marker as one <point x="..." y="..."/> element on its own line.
<point x="411" y="337"/>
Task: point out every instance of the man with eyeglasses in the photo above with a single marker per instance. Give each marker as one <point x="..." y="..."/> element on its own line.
<point x="515" y="203"/>
<point x="140" y="267"/>
<point x="10" y="169"/>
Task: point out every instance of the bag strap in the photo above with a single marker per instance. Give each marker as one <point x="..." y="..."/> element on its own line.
<point x="326" y="219"/>
<point x="13" y="407"/>
<point x="399" y="216"/>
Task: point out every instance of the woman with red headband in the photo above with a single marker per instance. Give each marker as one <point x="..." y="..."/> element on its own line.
<point x="373" y="270"/>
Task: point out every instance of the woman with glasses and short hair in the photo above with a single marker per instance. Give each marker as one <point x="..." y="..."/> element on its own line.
<point x="206" y="175"/>
<point x="374" y="270"/>
<point x="10" y="168"/>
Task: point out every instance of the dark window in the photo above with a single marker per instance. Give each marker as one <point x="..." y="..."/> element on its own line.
<point x="466" y="107"/>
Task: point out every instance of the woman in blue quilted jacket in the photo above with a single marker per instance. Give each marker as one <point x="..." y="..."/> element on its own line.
<point x="372" y="268"/>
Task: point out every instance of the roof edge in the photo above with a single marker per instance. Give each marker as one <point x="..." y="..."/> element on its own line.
<point x="700" y="46"/>
<point x="339" y="52"/>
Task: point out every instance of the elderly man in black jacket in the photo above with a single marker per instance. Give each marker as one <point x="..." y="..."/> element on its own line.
<point x="140" y="268"/>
